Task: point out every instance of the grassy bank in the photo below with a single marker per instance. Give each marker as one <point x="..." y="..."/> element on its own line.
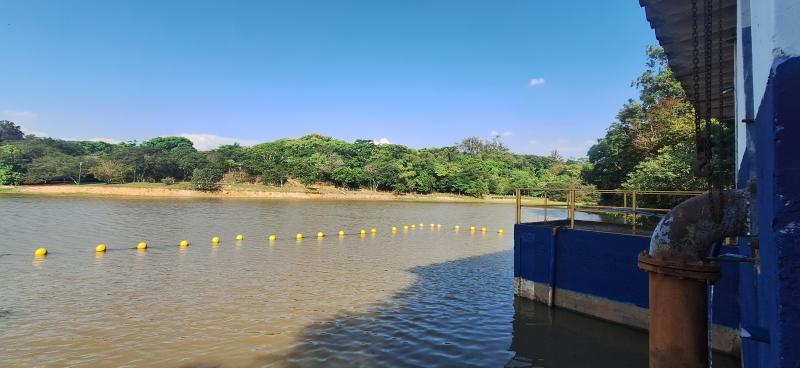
<point x="7" y="189"/>
<point x="255" y="191"/>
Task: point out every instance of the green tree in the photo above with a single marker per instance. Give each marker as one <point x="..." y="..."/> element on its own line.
<point x="662" y="118"/>
<point x="110" y="171"/>
<point x="207" y="179"/>
<point x="168" y="144"/>
<point x="10" y="131"/>
<point x="55" y="167"/>
<point x="8" y="176"/>
<point x="188" y="159"/>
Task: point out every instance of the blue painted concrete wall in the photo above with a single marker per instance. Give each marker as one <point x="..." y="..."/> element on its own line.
<point x="605" y="265"/>
<point x="771" y="293"/>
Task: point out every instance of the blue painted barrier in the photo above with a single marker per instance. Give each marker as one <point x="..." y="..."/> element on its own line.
<point x="604" y="265"/>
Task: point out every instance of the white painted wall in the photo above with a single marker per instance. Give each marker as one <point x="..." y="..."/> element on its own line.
<point x="775" y="28"/>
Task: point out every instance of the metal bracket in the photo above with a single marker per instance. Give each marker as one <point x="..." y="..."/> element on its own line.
<point x="732" y="257"/>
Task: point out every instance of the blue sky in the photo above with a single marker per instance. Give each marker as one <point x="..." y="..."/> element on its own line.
<point x="543" y="74"/>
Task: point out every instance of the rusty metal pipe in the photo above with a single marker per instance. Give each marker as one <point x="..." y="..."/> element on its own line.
<point x="689" y="230"/>
<point x="679" y="276"/>
<point x="678" y="310"/>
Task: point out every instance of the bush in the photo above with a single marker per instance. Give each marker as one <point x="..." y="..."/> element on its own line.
<point x="168" y="181"/>
<point x="8" y="176"/>
<point x="207" y="179"/>
<point x="110" y="171"/>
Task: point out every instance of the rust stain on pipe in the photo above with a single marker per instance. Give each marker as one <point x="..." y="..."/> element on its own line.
<point x="678" y="310"/>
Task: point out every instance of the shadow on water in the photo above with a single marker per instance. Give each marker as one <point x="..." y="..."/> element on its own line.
<point x="463" y="314"/>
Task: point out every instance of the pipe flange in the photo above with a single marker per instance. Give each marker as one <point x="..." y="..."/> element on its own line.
<point x="680" y="267"/>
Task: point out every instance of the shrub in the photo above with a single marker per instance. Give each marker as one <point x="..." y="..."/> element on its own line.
<point x="110" y="171"/>
<point x="8" y="176"/>
<point x="168" y="181"/>
<point x="207" y="179"/>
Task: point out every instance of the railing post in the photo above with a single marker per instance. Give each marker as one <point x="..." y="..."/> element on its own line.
<point x="545" y="206"/>
<point x="633" y="195"/>
<point x="518" y="194"/>
<point x="572" y="212"/>
<point x="625" y="207"/>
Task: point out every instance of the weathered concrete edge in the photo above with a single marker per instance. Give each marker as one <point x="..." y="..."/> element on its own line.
<point x="725" y="339"/>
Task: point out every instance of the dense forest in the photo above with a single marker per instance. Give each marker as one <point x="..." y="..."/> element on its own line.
<point x="474" y="166"/>
<point x="649" y="146"/>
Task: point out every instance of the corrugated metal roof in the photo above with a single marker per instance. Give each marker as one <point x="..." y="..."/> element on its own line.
<point x="672" y="21"/>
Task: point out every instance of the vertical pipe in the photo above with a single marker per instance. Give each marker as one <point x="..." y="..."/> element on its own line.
<point x="518" y="194"/>
<point x="553" y="244"/>
<point x="678" y="311"/>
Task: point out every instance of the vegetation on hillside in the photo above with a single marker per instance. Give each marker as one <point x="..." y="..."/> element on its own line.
<point x="473" y="167"/>
<point x="650" y="146"/>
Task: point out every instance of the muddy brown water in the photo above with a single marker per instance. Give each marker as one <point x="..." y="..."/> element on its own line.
<point x="424" y="298"/>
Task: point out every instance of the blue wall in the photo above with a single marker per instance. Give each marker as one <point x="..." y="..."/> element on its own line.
<point x="771" y="295"/>
<point x="605" y="265"/>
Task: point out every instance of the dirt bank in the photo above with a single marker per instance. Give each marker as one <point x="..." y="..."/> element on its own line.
<point x="242" y="191"/>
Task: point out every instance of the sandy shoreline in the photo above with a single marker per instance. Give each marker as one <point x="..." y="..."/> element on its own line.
<point x="160" y="191"/>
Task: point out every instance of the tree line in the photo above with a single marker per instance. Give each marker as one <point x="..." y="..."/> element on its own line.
<point x="650" y="146"/>
<point x="474" y="166"/>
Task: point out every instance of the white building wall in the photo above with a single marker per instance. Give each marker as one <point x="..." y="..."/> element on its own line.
<point x="775" y="29"/>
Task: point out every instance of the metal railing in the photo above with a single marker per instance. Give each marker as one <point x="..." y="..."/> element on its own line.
<point x="629" y="205"/>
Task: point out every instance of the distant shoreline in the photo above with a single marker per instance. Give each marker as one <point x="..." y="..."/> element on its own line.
<point x="242" y="191"/>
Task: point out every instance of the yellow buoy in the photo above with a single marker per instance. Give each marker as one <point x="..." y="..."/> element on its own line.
<point x="100" y="248"/>
<point x="413" y="227"/>
<point x="421" y="225"/>
<point x="141" y="245"/>
<point x="457" y="227"/>
<point x="405" y="227"/>
<point x="272" y="237"/>
<point x="320" y="234"/>
<point x="394" y="229"/>
<point x="341" y="232"/>
<point x="500" y="230"/>
<point x="438" y="225"/>
<point x="362" y="232"/>
<point x="240" y="237"/>
<point x="184" y="243"/>
<point x="40" y="252"/>
<point x="374" y="230"/>
<point x="215" y="240"/>
<point x="483" y="229"/>
<point x="472" y="228"/>
<point x="432" y="225"/>
<point x="299" y="236"/>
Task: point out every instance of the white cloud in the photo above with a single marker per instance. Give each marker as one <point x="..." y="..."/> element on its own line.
<point x="19" y="116"/>
<point x="104" y="139"/>
<point x="535" y="82"/>
<point x="382" y="141"/>
<point x="206" y="142"/>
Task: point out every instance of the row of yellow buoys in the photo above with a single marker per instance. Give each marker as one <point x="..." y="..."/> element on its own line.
<point x="101" y="248"/>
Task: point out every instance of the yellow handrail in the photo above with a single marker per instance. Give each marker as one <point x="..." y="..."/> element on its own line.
<point x="630" y="209"/>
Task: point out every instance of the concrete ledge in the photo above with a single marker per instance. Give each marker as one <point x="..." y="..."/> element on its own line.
<point x="725" y="339"/>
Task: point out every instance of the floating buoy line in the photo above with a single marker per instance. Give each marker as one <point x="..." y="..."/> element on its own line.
<point x="299" y="237"/>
